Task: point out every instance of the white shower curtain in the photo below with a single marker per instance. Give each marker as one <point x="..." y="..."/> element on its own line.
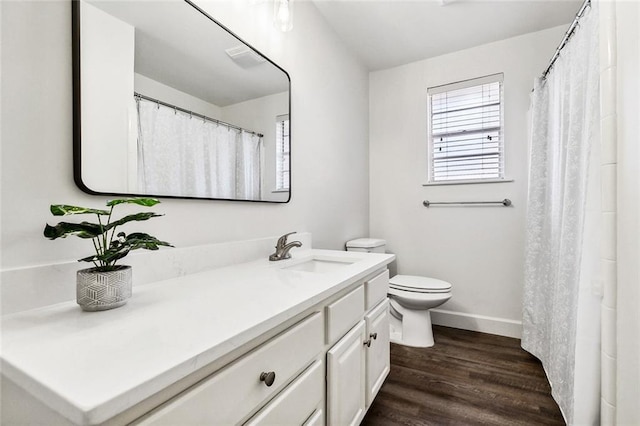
<point x="561" y="303"/>
<point x="187" y="156"/>
<point x="248" y="166"/>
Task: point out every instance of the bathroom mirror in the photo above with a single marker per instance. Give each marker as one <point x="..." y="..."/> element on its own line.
<point x="169" y="103"/>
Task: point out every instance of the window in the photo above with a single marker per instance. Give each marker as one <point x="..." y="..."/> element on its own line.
<point x="465" y="135"/>
<point x="282" y="153"/>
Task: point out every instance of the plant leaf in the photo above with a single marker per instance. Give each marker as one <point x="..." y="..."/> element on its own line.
<point x="134" y="241"/>
<point x="64" y="209"/>
<point x="146" y="202"/>
<point x="112" y="255"/>
<point x="91" y="258"/>
<point x="138" y="240"/>
<point x="109" y="257"/>
<point x="82" y="230"/>
<point x="132" y="217"/>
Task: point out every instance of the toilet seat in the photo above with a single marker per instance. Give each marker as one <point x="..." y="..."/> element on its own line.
<point x="416" y="300"/>
<point x="415" y="284"/>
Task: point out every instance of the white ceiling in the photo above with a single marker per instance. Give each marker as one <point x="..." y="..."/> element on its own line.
<point x="180" y="47"/>
<point x="388" y="33"/>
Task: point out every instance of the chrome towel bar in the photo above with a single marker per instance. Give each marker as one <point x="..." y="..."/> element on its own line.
<point x="506" y="202"/>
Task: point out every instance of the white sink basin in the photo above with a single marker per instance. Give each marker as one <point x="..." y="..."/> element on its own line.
<point x="318" y="265"/>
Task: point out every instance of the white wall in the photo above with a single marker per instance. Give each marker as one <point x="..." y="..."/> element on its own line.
<point x="152" y="88"/>
<point x="330" y="163"/>
<point x="480" y="250"/>
<point x="108" y="87"/>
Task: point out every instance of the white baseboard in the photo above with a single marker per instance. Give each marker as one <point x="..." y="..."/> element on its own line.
<point x="481" y="323"/>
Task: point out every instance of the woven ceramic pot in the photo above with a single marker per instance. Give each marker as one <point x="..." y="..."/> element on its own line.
<point x="99" y="291"/>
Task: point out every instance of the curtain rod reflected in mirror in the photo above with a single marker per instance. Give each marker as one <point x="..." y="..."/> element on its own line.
<point x="129" y="56"/>
<point x="194" y="114"/>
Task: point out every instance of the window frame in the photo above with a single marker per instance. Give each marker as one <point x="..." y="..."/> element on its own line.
<point x="282" y="152"/>
<point x="479" y="81"/>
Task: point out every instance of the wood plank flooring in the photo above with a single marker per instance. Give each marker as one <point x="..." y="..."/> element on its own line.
<point x="466" y="378"/>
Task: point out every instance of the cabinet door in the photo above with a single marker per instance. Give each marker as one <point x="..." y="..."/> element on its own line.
<point x="346" y="379"/>
<point x="377" y="354"/>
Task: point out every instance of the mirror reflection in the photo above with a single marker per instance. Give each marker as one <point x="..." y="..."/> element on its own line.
<point x="172" y="104"/>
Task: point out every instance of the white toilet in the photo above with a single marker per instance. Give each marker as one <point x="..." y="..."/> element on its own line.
<point x="410" y="298"/>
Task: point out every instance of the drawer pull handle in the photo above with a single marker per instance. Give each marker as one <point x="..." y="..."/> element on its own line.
<point x="268" y="378"/>
<point x="374" y="336"/>
<point x="367" y="343"/>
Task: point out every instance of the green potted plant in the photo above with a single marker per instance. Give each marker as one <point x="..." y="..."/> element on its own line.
<point x="105" y="285"/>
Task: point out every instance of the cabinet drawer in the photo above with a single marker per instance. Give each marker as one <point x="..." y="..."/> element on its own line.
<point x="376" y="289"/>
<point x="229" y="395"/>
<point x="297" y="402"/>
<point x="344" y="313"/>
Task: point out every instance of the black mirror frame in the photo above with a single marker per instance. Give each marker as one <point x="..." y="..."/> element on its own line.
<point x="77" y="119"/>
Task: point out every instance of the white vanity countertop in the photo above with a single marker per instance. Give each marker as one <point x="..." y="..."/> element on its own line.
<point x="90" y="366"/>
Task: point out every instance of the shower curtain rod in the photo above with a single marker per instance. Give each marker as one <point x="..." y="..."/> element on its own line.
<point x="194" y="114"/>
<point x="566" y="37"/>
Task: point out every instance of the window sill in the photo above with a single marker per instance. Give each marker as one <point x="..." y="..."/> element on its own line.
<point x="276" y="191"/>
<point x="467" y="182"/>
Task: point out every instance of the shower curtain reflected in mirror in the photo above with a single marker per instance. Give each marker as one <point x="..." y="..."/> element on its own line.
<point x="561" y="309"/>
<point x="182" y="155"/>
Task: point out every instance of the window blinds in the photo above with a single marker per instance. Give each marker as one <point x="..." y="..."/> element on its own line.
<point x="282" y="153"/>
<point x="465" y="127"/>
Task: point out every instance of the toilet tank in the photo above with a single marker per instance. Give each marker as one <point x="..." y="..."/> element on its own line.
<point x="367" y="245"/>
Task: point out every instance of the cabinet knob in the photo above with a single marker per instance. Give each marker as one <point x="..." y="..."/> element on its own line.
<point x="367" y="343"/>
<point x="374" y="336"/>
<point x="268" y="378"/>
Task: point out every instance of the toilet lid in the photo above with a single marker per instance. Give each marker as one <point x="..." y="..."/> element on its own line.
<point x="419" y="284"/>
<point x="366" y="243"/>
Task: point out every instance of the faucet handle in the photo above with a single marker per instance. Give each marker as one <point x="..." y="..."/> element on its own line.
<point x="283" y="240"/>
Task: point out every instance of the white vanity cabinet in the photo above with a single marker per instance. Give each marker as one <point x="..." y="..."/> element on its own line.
<point x="356" y="342"/>
<point x="359" y="362"/>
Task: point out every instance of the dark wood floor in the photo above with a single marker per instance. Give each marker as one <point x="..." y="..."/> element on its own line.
<point x="467" y="378"/>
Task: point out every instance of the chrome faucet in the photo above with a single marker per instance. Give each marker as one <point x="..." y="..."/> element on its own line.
<point x="282" y="248"/>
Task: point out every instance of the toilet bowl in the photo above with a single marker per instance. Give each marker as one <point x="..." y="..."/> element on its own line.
<point x="410" y="298"/>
